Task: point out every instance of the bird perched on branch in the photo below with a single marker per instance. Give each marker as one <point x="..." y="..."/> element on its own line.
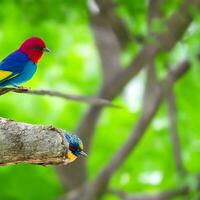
<point x="20" y="66"/>
<point x="75" y="147"/>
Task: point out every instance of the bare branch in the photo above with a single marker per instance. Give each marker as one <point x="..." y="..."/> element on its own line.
<point x="147" y="53"/>
<point x="108" y="46"/>
<point x="27" y="143"/>
<point x="175" y="29"/>
<point x="114" y="86"/>
<point x="154" y="12"/>
<point x="89" y="100"/>
<point x="96" y="188"/>
<point x="174" y="132"/>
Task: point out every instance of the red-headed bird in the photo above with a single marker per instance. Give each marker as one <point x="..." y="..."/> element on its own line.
<point x="20" y="66"/>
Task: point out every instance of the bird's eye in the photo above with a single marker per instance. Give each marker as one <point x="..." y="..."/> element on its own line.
<point x="37" y="48"/>
<point x="71" y="148"/>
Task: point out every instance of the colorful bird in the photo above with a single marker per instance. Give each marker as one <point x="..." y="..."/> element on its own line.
<point x="20" y="66"/>
<point x="75" y="147"/>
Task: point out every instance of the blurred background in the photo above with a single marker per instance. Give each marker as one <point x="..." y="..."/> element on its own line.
<point x="117" y="49"/>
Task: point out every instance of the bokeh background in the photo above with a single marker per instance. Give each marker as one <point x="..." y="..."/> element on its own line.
<point x="74" y="66"/>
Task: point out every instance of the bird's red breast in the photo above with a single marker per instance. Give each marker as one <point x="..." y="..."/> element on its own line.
<point x="33" y="48"/>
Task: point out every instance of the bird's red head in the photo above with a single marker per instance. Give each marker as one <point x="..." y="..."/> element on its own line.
<point x="34" y="48"/>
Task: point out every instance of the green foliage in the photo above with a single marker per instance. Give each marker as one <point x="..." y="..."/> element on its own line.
<point x="28" y="182"/>
<point x="134" y="14"/>
<point x="73" y="66"/>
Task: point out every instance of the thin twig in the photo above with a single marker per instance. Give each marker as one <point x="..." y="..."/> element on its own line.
<point x="90" y="100"/>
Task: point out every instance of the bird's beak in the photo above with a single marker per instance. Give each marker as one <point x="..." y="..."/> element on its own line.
<point x="83" y="154"/>
<point x="46" y="49"/>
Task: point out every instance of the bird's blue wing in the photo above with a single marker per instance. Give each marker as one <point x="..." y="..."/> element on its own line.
<point x="15" y="62"/>
<point x="12" y="66"/>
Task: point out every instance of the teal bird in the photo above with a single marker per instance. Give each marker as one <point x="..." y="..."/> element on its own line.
<point x="75" y="147"/>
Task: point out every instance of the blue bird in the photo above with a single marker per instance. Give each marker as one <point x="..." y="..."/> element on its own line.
<point x="20" y="66"/>
<point x="75" y="147"/>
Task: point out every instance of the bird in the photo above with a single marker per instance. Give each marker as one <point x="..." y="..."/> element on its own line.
<point x="19" y="66"/>
<point x="75" y="148"/>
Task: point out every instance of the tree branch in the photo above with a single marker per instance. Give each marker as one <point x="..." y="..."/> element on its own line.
<point x="108" y="46"/>
<point x="113" y="87"/>
<point x="96" y="188"/>
<point x="175" y="29"/>
<point x="154" y="12"/>
<point x="89" y="100"/>
<point x="27" y="143"/>
<point x="107" y="14"/>
<point x="174" y="132"/>
<point x="107" y="43"/>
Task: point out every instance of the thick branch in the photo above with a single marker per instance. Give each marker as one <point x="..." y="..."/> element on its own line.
<point x="90" y="100"/>
<point x="27" y="143"/>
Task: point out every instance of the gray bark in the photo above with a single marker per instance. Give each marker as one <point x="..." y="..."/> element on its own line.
<point x="35" y="144"/>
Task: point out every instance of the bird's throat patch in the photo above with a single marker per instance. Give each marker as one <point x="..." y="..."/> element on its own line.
<point x="71" y="156"/>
